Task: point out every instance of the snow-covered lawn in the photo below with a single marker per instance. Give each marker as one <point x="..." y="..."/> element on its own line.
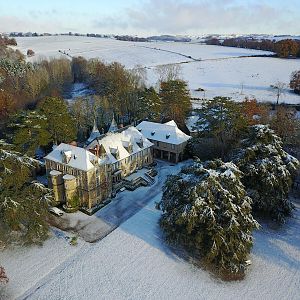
<point x="221" y="71"/>
<point x="26" y="266"/>
<point x="134" y="262"/>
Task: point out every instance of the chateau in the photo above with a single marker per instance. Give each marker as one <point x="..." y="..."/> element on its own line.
<point x="85" y="178"/>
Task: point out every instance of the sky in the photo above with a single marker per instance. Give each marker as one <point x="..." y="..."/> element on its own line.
<point x="148" y="17"/>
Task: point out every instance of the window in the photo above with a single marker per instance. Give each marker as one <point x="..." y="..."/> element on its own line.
<point x="172" y="146"/>
<point x="157" y="144"/>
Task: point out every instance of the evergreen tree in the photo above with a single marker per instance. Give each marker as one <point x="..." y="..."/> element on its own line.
<point x="60" y="125"/>
<point x="223" y="120"/>
<point x="206" y="209"/>
<point x="149" y="105"/>
<point x="176" y="100"/>
<point x="23" y="201"/>
<point x="268" y="172"/>
<point x="30" y="132"/>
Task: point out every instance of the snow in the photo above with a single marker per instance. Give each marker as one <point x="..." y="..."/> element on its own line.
<point x="168" y="132"/>
<point x="117" y="141"/>
<point x="68" y="177"/>
<point x="134" y="262"/>
<point x="26" y="266"/>
<point x="222" y="71"/>
<point x="79" y="158"/>
<point x="78" y="89"/>
<point x="94" y="134"/>
<point x="191" y="123"/>
<point x="113" y="126"/>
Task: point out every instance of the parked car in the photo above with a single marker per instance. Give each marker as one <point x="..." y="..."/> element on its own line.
<point x="56" y="211"/>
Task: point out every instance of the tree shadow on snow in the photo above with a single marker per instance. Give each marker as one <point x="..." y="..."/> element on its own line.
<point x="280" y="245"/>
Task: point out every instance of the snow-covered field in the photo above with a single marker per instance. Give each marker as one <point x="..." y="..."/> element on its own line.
<point x="134" y="262"/>
<point x="222" y="70"/>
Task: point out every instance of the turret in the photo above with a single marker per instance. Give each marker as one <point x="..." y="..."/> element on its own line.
<point x="71" y="195"/>
<point x="57" y="184"/>
<point x="113" y="126"/>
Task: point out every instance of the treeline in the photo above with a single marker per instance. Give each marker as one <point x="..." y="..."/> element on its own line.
<point x="130" y="38"/>
<point x="6" y="41"/>
<point x="284" y="48"/>
<point x="209" y="207"/>
<point x="117" y="90"/>
<point x="222" y="122"/>
<point x="124" y="93"/>
<point x="23" y="84"/>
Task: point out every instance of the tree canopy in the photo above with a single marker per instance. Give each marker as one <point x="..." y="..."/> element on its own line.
<point x="23" y="201"/>
<point x="175" y="99"/>
<point x="60" y="123"/>
<point x="206" y="209"/>
<point x="268" y="172"/>
<point x="222" y="119"/>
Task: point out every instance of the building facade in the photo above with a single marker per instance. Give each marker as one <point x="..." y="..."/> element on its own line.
<point x="168" y="140"/>
<point x="85" y="177"/>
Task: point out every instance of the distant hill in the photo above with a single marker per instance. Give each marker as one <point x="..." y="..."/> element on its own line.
<point x="169" y="38"/>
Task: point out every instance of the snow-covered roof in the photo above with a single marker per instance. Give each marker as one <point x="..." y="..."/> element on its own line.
<point x="94" y="134"/>
<point x="168" y="132"/>
<point x="172" y="123"/>
<point x="55" y="173"/>
<point x="68" y="177"/>
<point x="191" y="123"/>
<point x="117" y="142"/>
<point x="79" y="158"/>
<point x="113" y="126"/>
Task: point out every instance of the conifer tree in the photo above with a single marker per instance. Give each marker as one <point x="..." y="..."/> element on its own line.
<point x="268" y="172"/>
<point x="60" y="124"/>
<point x="150" y="105"/>
<point x="23" y="201"/>
<point x="206" y="209"/>
<point x="176" y="100"/>
<point x="222" y="119"/>
<point x="30" y="132"/>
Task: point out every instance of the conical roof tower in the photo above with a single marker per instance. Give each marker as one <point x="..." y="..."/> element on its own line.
<point x="94" y="134"/>
<point x="113" y="126"/>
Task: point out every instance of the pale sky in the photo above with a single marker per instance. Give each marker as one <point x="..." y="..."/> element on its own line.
<point x="148" y="17"/>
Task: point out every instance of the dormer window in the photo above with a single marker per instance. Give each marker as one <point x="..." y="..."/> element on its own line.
<point x="153" y="132"/>
<point x="140" y="142"/>
<point x="128" y="146"/>
<point x="167" y="135"/>
<point x="115" y="152"/>
<point x="66" y="156"/>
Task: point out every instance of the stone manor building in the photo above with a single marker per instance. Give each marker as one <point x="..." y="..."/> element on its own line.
<point x="85" y="178"/>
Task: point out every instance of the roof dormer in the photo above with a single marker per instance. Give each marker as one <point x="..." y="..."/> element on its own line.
<point x="128" y="146"/>
<point x="66" y="156"/>
<point x="115" y="152"/>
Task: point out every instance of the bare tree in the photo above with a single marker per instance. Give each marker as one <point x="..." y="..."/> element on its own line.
<point x="138" y="76"/>
<point x="278" y="89"/>
<point x="168" y="72"/>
